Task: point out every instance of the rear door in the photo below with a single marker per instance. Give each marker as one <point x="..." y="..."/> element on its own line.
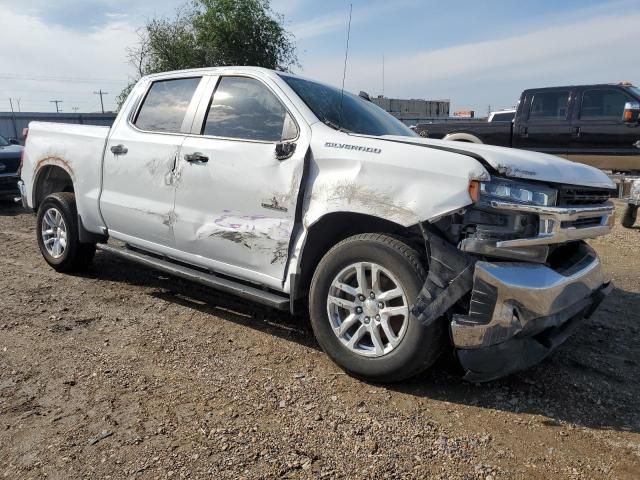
<point x="142" y="151"/>
<point x="236" y="197"/>
<point x="545" y="125"/>
<point x="601" y="137"/>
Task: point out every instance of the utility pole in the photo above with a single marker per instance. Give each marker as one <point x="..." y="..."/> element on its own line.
<point x="57" y="102"/>
<point x="383" y="75"/>
<point x="101" y="93"/>
<point x="13" y="119"/>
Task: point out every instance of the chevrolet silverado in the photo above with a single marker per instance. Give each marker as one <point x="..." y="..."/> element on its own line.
<point x="292" y="193"/>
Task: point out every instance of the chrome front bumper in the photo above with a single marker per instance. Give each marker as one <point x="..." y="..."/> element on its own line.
<point x="515" y="304"/>
<point x="562" y="224"/>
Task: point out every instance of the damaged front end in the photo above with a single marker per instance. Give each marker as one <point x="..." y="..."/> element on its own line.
<point x="512" y="272"/>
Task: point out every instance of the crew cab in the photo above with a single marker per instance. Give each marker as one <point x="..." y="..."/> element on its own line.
<point x="598" y="125"/>
<point x="293" y="193"/>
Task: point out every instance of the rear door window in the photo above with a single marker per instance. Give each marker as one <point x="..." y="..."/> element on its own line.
<point x="165" y="106"/>
<point x="603" y="103"/>
<point x="549" y="105"/>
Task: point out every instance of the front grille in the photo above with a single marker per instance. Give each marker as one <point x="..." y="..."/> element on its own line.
<point x="569" y="196"/>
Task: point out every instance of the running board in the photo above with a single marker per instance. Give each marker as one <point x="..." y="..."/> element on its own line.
<point x="210" y="280"/>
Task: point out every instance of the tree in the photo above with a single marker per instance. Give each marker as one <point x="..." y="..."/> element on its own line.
<point x="207" y="33"/>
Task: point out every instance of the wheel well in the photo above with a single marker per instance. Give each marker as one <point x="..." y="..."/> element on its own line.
<point x="335" y="227"/>
<point x="51" y="179"/>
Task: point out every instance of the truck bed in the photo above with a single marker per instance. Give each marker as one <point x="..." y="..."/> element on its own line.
<point x="492" y="133"/>
<point x="74" y="149"/>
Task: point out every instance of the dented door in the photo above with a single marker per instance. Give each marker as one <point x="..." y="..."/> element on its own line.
<point x="235" y="199"/>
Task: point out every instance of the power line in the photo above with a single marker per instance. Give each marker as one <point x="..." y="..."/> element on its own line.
<point x="101" y="93"/>
<point x="42" y="78"/>
<point x="56" y="102"/>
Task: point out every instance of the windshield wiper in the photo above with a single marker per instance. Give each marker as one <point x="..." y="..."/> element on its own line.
<point x="335" y="126"/>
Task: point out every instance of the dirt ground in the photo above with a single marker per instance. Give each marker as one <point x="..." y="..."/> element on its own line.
<point x="125" y="373"/>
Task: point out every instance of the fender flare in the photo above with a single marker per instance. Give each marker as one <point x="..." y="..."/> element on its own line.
<point x="462" y="137"/>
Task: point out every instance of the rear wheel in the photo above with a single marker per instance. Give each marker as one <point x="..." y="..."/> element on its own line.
<point x="58" y="234"/>
<point x="629" y="216"/>
<point x="360" y="301"/>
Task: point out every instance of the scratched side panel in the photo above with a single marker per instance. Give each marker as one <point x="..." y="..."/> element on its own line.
<point x="401" y="183"/>
<point x="138" y="188"/>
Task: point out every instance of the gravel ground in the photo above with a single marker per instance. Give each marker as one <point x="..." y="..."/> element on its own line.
<point x="125" y="373"/>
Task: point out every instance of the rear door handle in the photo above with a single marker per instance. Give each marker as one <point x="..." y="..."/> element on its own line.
<point x="524" y="132"/>
<point x="196" y="157"/>
<point x="576" y="131"/>
<point x="119" y="150"/>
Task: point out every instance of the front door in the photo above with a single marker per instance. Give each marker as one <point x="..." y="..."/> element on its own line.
<point x="546" y="124"/>
<point x="140" y="158"/>
<point x="601" y="137"/>
<point x="235" y="199"/>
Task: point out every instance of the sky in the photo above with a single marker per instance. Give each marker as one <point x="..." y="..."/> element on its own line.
<point x="475" y="53"/>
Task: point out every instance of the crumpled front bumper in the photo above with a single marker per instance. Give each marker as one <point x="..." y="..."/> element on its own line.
<point x="520" y="312"/>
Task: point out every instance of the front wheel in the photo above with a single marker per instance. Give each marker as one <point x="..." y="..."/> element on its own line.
<point x="360" y="301"/>
<point x="629" y="216"/>
<point x="58" y="234"/>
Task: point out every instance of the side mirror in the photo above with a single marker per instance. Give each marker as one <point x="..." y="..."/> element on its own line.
<point x="13" y="141"/>
<point x="364" y="95"/>
<point x="631" y="112"/>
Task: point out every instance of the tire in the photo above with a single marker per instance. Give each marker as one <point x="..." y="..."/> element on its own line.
<point x="629" y="216"/>
<point x="415" y="346"/>
<point x="57" y="231"/>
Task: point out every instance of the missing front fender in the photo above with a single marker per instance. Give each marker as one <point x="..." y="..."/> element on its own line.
<point x="450" y="278"/>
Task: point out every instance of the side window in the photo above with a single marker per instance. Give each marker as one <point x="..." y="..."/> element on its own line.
<point x="549" y="105"/>
<point x="166" y="104"/>
<point x="503" y="117"/>
<point x="246" y="109"/>
<point x="603" y="103"/>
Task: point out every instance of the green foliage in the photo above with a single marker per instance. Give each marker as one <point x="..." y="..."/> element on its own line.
<point x="208" y="33"/>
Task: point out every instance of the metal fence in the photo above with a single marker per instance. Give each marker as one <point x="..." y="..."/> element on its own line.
<point x="11" y="124"/>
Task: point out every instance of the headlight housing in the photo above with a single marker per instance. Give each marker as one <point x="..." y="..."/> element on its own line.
<point x="513" y="191"/>
<point x="635" y="189"/>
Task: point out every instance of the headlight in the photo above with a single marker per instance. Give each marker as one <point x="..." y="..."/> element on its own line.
<point x="512" y="191"/>
<point x="635" y="189"/>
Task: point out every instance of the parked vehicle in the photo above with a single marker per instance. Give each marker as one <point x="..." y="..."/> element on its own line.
<point x="10" y="153"/>
<point x="597" y="125"/>
<point x="283" y="190"/>
<point x="631" y="210"/>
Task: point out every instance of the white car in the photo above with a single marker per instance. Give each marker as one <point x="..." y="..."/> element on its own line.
<point x="287" y="191"/>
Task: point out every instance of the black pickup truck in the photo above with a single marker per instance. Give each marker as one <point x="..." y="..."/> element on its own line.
<point x="594" y="124"/>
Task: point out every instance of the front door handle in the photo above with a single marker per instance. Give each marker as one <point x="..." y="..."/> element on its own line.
<point x="576" y="131"/>
<point x="119" y="150"/>
<point x="196" y="157"/>
<point x="524" y="132"/>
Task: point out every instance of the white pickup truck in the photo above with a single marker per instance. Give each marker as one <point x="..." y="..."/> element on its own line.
<point x="289" y="192"/>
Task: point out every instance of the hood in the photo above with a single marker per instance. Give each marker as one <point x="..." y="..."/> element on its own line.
<point x="11" y="151"/>
<point x="524" y="164"/>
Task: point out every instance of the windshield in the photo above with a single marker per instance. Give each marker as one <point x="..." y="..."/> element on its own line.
<point x="635" y="91"/>
<point x="358" y="115"/>
<point x="3" y="141"/>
